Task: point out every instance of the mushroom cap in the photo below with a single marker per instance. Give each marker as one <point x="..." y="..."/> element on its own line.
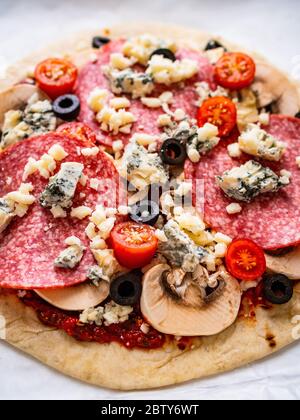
<point x="76" y="298"/>
<point x="288" y="264"/>
<point x="16" y="97"/>
<point x="272" y="85"/>
<point x="169" y="316"/>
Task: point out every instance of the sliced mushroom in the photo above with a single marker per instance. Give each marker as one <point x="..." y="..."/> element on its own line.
<point x="198" y="315"/>
<point x="76" y="298"/>
<point x="288" y="264"/>
<point x="273" y="87"/>
<point x="17" y="97"/>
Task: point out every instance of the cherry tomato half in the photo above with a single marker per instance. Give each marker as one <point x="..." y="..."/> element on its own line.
<point x="219" y="111"/>
<point x="76" y="130"/>
<point x="245" y="260"/>
<point x="56" y="76"/>
<point x="134" y="244"/>
<point x="235" y="71"/>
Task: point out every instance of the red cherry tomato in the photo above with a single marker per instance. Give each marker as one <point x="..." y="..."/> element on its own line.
<point x="245" y="260"/>
<point x="56" y="76"/>
<point x="76" y="130"/>
<point x="219" y="111"/>
<point x="235" y="71"/>
<point x="134" y="244"/>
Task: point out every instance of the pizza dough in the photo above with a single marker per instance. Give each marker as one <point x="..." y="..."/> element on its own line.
<point x="112" y="365"/>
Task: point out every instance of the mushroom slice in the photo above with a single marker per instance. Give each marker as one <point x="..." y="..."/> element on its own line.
<point x="76" y="298"/>
<point x="170" y="316"/>
<point x="272" y="86"/>
<point x="288" y="264"/>
<point x="17" y="97"/>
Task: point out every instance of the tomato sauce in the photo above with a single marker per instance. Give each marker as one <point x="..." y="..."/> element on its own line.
<point x="127" y="333"/>
<point x="252" y="299"/>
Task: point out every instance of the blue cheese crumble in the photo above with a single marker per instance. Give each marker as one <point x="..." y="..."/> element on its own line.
<point x="202" y="141"/>
<point x="61" y="188"/>
<point x="179" y="249"/>
<point x="246" y="182"/>
<point x="70" y="257"/>
<point x="130" y="82"/>
<point x="141" y="168"/>
<point x="37" y="118"/>
<point x="6" y="213"/>
<point x="257" y="142"/>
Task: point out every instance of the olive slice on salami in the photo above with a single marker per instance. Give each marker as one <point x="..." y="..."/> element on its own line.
<point x="67" y="107"/>
<point x="145" y="212"/>
<point x="213" y="44"/>
<point x="173" y="152"/>
<point x="99" y="41"/>
<point x="164" y="52"/>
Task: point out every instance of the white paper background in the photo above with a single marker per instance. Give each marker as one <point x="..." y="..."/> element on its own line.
<point x="269" y="26"/>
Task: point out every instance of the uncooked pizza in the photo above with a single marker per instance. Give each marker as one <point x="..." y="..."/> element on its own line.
<point x="149" y="206"/>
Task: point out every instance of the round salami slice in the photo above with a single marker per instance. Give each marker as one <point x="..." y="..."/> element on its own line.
<point x="92" y="76"/>
<point x="272" y="220"/>
<point x="30" y="245"/>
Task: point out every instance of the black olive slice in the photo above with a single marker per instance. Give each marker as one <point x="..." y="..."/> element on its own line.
<point x="278" y="289"/>
<point x="173" y="152"/>
<point x="212" y="44"/>
<point x="165" y="52"/>
<point x="145" y="212"/>
<point x="67" y="107"/>
<point x="99" y="41"/>
<point x="126" y="290"/>
<point x="297" y="115"/>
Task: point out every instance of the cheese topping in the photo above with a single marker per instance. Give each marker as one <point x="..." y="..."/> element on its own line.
<point x="111" y="313"/>
<point x="167" y="72"/>
<point x="46" y="165"/>
<point x="81" y="212"/>
<point x="61" y="188"/>
<point x="130" y="82"/>
<point x="141" y="47"/>
<point x="257" y="142"/>
<point x="37" y="118"/>
<point x="141" y="168"/>
<point x="201" y="141"/>
<point x="245" y="182"/>
<point x="70" y="257"/>
<point x="15" y="203"/>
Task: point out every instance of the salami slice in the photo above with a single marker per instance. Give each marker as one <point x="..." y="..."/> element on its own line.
<point x="272" y="220"/>
<point x="29" y="246"/>
<point x="92" y="76"/>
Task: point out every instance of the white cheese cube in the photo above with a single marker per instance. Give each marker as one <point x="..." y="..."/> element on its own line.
<point x="57" y="152"/>
<point x="119" y="103"/>
<point x="220" y="250"/>
<point x="81" y="212"/>
<point x="234" y="150"/>
<point x="90" y="151"/>
<point x="234" y="208"/>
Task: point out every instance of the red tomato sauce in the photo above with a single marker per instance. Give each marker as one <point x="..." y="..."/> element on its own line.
<point x="127" y="333"/>
<point x="252" y="299"/>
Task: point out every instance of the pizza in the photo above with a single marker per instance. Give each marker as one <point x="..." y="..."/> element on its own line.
<point x="149" y="206"/>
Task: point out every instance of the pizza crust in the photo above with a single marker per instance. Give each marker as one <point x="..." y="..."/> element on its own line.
<point x="111" y="365"/>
